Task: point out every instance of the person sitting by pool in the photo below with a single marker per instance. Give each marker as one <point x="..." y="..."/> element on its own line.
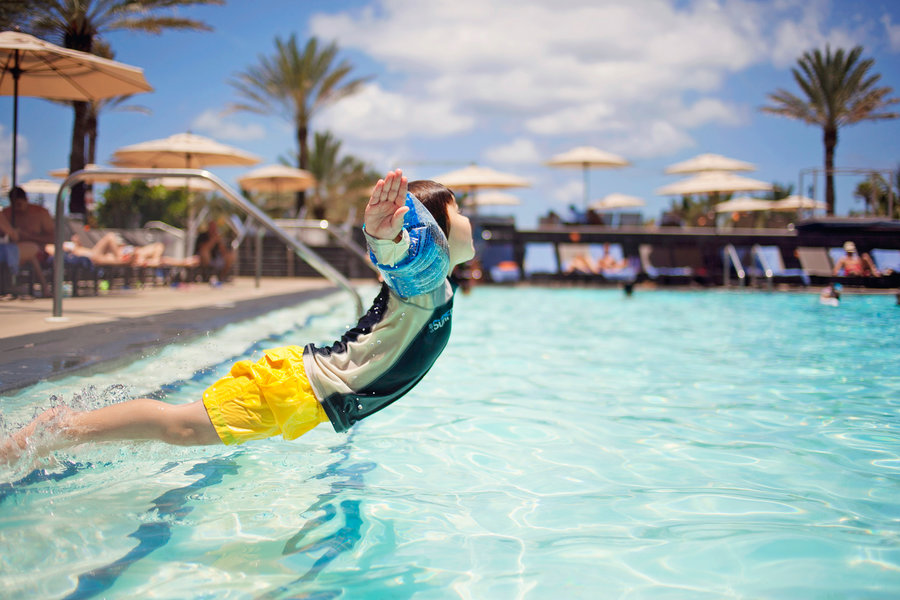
<point x="111" y="251"/>
<point x="582" y="263"/>
<point x="608" y="263"/>
<point x="414" y="239"/>
<point x="214" y="253"/>
<point x="855" y="265"/>
<point x="30" y="226"/>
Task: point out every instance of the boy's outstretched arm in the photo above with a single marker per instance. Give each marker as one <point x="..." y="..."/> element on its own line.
<point x="386" y="207"/>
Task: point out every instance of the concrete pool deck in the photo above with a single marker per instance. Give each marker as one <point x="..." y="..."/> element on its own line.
<point x="98" y="329"/>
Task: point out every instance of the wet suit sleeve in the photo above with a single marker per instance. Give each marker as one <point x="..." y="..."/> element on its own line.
<point x="420" y="261"/>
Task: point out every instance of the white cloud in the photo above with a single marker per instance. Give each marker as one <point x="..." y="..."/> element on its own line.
<point x="23" y="165"/>
<point x="893" y="32"/>
<point x="223" y="127"/>
<point x="376" y="114"/>
<point x="574" y="119"/>
<point x="571" y="192"/>
<point x="657" y="138"/>
<point x="567" y="67"/>
<point x="518" y="151"/>
<point x="709" y="110"/>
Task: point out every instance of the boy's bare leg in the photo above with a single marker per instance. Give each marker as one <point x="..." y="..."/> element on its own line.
<point x="139" y="419"/>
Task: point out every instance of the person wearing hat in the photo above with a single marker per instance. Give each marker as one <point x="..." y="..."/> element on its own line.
<point x="854" y="265"/>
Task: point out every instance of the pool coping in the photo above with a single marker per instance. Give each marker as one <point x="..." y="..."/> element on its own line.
<point x="56" y="352"/>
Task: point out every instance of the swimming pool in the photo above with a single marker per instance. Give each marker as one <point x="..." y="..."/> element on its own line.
<point x="570" y="443"/>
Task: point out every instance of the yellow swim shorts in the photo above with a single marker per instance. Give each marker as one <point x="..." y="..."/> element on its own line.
<point x="261" y="400"/>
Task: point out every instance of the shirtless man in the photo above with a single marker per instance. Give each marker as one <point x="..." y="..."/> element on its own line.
<point x="32" y="228"/>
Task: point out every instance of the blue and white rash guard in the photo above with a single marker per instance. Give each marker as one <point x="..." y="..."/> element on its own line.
<point x="397" y="341"/>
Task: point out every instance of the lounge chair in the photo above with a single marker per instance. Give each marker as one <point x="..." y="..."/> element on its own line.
<point x="887" y="261"/>
<point x="579" y="259"/>
<point x="540" y="261"/>
<point x="672" y="265"/>
<point x="627" y="269"/>
<point x="816" y="263"/>
<point x="768" y="263"/>
<point x="499" y="262"/>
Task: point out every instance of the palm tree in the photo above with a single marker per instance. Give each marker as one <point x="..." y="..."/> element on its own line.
<point x="14" y="12"/>
<point x="342" y="182"/>
<point x="839" y="90"/>
<point x="80" y="23"/>
<point x="296" y="84"/>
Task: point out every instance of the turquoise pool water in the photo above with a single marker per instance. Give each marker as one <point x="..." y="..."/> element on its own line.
<point x="569" y="444"/>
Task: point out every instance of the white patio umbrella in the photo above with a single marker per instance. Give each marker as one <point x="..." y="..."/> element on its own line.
<point x="92" y="178"/>
<point x="277" y="179"/>
<point x="709" y="162"/>
<point x="586" y="158"/>
<point x="711" y="182"/>
<point x="616" y="202"/>
<point x="182" y="150"/>
<point x="491" y="198"/>
<point x="743" y="204"/>
<point x="474" y="178"/>
<point x="795" y="202"/>
<point x="40" y="186"/>
<point x="32" y="67"/>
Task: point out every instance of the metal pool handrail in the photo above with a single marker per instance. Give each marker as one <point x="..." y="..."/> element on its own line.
<point x="337" y="234"/>
<point x="301" y="249"/>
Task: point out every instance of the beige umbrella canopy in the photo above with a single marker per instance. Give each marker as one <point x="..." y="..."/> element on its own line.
<point x="92" y="178"/>
<point x="709" y="162"/>
<point x="473" y="178"/>
<point x="616" y="202"/>
<point x="40" y="186"/>
<point x="710" y="182"/>
<point x="32" y="67"/>
<point x="743" y="204"/>
<point x="276" y="179"/>
<point x="585" y="158"/>
<point x="182" y="150"/>
<point x="792" y="203"/>
<point x="491" y="198"/>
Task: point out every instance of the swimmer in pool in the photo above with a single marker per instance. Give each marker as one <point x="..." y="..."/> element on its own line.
<point x="416" y="235"/>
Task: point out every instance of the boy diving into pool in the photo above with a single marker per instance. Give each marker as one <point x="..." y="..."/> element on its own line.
<point x="416" y="235"/>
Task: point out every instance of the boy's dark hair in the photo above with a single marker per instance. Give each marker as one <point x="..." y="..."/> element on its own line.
<point x="436" y="198"/>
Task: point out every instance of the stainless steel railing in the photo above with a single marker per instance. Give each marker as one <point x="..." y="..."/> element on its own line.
<point x="107" y="174"/>
<point x="337" y="234"/>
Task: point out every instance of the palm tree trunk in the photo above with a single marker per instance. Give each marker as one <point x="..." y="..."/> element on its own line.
<point x="830" y="139"/>
<point x="303" y="144"/>
<point x="78" y="38"/>
<point x="76" y="158"/>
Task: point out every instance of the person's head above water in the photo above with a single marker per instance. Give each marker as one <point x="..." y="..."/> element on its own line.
<point x="441" y="203"/>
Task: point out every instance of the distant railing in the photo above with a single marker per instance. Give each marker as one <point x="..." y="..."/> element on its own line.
<point x="301" y="249"/>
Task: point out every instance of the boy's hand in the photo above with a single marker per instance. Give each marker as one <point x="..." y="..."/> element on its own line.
<point x="386" y="207"/>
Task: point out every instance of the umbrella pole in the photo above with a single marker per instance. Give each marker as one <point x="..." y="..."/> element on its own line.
<point x="587" y="185"/>
<point x="16" y="71"/>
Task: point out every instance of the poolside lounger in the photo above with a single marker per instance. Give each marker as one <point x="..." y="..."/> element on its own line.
<point x="887" y="261"/>
<point x="815" y="262"/>
<point x="671" y="265"/>
<point x="498" y="260"/>
<point x="769" y="264"/>
<point x="540" y="260"/>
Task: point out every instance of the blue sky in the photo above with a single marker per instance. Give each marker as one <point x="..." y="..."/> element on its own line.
<point x="507" y="84"/>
